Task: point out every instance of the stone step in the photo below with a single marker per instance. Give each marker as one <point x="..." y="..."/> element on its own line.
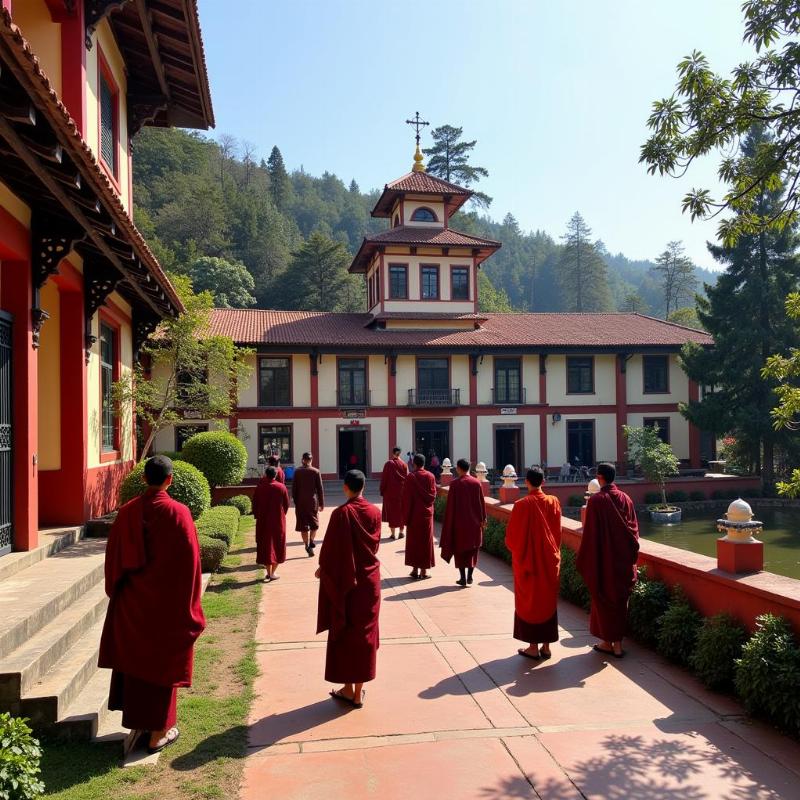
<point x="51" y="541"/>
<point x="29" y="663"/>
<point x="46" y="701"/>
<point x="87" y="716"/>
<point x="34" y="597"/>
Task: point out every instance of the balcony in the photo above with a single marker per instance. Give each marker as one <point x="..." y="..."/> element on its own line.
<point x="509" y="397"/>
<point x="354" y="398"/>
<point x="434" y="398"/>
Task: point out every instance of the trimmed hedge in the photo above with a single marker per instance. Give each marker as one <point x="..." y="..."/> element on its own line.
<point x="678" y="496"/>
<point x="573" y="589"/>
<point x="219" y="455"/>
<point x="189" y="487"/>
<point x="20" y="756"/>
<point x="241" y="502"/>
<point x="697" y="495"/>
<point x="575" y="500"/>
<point x="649" y="602"/>
<point x="494" y="539"/>
<point x="212" y="553"/>
<point x="220" y="522"/>
<point x="718" y="646"/>
<point x="439" y="505"/>
<point x="678" y="628"/>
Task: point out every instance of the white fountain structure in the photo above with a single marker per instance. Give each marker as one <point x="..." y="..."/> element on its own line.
<point x="509" y="477"/>
<point x="738" y="524"/>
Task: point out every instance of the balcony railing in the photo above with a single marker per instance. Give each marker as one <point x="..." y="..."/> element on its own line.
<point x="359" y="398"/>
<point x="434" y="398"/>
<point x="509" y="397"/>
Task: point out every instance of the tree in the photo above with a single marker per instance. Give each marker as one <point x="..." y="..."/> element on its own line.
<point x="279" y="184"/>
<point x="676" y="273"/>
<point x="709" y="112"/>
<point x="229" y="282"/>
<point x="449" y="159"/>
<point x="490" y="298"/>
<point x="188" y="371"/>
<point x="634" y="303"/>
<point x="583" y="274"/>
<point x="686" y="316"/>
<point x="656" y="459"/>
<point x="745" y="314"/>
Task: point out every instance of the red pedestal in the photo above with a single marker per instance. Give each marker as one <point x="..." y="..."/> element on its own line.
<point x="487" y="488"/>
<point x="509" y="495"/>
<point x="583" y="516"/>
<point x="737" y="557"/>
<point x="446" y="480"/>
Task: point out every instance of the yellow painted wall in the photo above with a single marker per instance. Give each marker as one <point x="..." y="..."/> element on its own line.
<point x="43" y="35"/>
<point x="378" y="442"/>
<point x="326" y="457"/>
<point x="405" y="435"/>
<point x="678" y="430"/>
<point x="604" y="385"/>
<point x="11" y="203"/>
<point x="327" y="380"/>
<point x="50" y="381"/>
<point x="485" y="380"/>
<point x="379" y="380"/>
<point x="678" y="383"/>
<point x="530" y="380"/>
<point x="605" y="437"/>
<point x="459" y="442"/>
<point x="409" y="206"/>
<point x="406" y="378"/>
<point x="530" y="425"/>
<point x="459" y="376"/>
<point x="301" y="381"/>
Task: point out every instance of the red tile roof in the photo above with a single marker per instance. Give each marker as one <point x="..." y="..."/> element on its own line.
<point x="420" y="183"/>
<point x="513" y="331"/>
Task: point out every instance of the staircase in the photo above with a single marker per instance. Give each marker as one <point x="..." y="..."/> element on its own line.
<point x="52" y="608"/>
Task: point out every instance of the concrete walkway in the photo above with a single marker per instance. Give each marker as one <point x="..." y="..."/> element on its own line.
<point x="456" y="713"/>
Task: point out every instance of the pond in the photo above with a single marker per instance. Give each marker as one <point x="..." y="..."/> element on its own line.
<point x="698" y="534"/>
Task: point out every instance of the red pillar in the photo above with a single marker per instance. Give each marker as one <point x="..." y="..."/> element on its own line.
<point x="694" y="432"/>
<point x="73" y="65"/>
<point x="543" y="415"/>
<point x="622" y="410"/>
<point x="314" y="405"/>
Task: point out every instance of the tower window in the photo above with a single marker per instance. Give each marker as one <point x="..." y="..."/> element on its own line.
<point x="423" y="215"/>
<point x="430" y="282"/>
<point x="398" y="282"/>
<point x="459" y="283"/>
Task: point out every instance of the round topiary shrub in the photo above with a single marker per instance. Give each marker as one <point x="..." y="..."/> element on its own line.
<point x="20" y="756"/>
<point x="678" y="628"/>
<point x="719" y="644"/>
<point x="212" y="553"/>
<point x="220" y="522"/>
<point x="649" y="601"/>
<point x="189" y="486"/>
<point x="219" y="455"/>
<point x="240" y="501"/>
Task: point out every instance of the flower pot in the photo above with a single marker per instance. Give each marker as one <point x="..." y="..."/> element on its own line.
<point x="666" y="516"/>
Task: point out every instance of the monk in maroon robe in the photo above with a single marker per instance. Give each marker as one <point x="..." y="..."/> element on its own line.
<point x="393" y="478"/>
<point x="309" y="500"/>
<point x="350" y="592"/>
<point x="419" y="495"/>
<point x="464" y="521"/>
<point x="533" y="537"/>
<point x="607" y="560"/>
<point x="274" y="461"/>
<point x="154" y="616"/>
<point x="270" y="504"/>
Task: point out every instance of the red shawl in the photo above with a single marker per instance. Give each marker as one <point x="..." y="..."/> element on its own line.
<point x="393" y="478"/>
<point x="464" y="517"/>
<point x="154" y="584"/>
<point x="533" y="537"/>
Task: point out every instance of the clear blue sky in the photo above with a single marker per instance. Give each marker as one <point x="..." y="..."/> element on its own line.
<point x="557" y="95"/>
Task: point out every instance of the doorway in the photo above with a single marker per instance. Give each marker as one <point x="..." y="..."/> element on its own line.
<point x="353" y="447"/>
<point x="508" y="447"/>
<point x="434" y="438"/>
<point x="580" y="442"/>
<point x="6" y="460"/>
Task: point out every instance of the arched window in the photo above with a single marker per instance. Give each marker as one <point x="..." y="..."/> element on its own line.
<point x="423" y="214"/>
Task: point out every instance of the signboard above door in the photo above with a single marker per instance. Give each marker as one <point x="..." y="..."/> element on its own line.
<point x="505" y="411"/>
<point x="354" y="413"/>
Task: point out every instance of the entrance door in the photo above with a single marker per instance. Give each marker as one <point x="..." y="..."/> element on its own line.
<point x="352" y="450"/>
<point x="6" y="461"/>
<point x="508" y="448"/>
<point x="580" y="442"/>
<point x="434" y="437"/>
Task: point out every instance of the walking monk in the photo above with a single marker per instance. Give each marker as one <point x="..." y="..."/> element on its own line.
<point x="607" y="560"/>
<point x="395" y="472"/>
<point x="464" y="521"/>
<point x="270" y="504"/>
<point x="533" y="537"/>
<point x="274" y="461"/>
<point x="309" y="500"/>
<point x="154" y="614"/>
<point x="419" y="495"/>
<point x="350" y="592"/>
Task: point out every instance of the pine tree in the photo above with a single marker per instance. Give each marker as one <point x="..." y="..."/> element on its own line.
<point x="583" y="275"/>
<point x="279" y="184"/>
<point x="490" y="298"/>
<point x="676" y="273"/>
<point x="634" y="303"/>
<point x="449" y="159"/>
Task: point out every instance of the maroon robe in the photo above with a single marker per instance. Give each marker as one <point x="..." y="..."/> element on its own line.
<point x="309" y="499"/>
<point x="280" y="475"/>
<point x="607" y="560"/>
<point x="393" y="478"/>
<point x="464" y="520"/>
<point x="152" y="577"/>
<point x="350" y="592"/>
<point x="270" y="504"/>
<point x="419" y="494"/>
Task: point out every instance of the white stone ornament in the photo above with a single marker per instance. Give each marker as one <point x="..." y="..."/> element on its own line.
<point x="593" y="487"/>
<point x="447" y="467"/>
<point x="509" y="477"/>
<point x="738" y="524"/>
<point x="481" y="471"/>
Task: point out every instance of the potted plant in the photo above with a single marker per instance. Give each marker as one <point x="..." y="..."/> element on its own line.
<point x="657" y="462"/>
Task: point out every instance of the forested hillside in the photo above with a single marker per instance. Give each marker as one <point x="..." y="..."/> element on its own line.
<point x="256" y="234"/>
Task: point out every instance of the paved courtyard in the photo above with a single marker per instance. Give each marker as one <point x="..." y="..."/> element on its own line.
<point x="456" y="713"/>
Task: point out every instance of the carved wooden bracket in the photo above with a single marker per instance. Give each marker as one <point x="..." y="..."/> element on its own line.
<point x="542" y="363"/>
<point x="99" y="280"/>
<point x="623" y="359"/>
<point x="144" y="324"/>
<point x="143" y="109"/>
<point x="52" y="240"/>
<point x="38" y="317"/>
<point x="95" y="11"/>
<point x="314" y="356"/>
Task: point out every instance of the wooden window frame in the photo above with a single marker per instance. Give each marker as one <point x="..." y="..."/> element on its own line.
<point x="593" y="420"/>
<point x="365" y="359"/>
<point x="518" y="359"/>
<point x="661" y="422"/>
<point x="466" y="270"/>
<point x="404" y="267"/>
<point x="107" y="320"/>
<point x="592" y="368"/>
<point x="645" y="390"/>
<point x="289" y="425"/>
<point x="104" y="73"/>
<point x="424" y="208"/>
<point x="422" y="268"/>
<point x="259" y="398"/>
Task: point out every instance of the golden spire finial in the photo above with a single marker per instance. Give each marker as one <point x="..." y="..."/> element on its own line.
<point x="419" y="165"/>
<point x="418" y="123"/>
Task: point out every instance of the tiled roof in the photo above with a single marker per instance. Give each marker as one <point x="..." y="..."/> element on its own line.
<point x="545" y="331"/>
<point x="425" y="183"/>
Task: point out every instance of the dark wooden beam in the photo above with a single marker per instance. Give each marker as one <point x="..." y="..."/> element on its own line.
<point x="52" y="239"/>
<point x="100" y="279"/>
<point x="95" y="11"/>
<point x="22" y="113"/>
<point x="152" y="45"/>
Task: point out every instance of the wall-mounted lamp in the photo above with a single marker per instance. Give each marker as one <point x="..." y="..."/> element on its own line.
<point x="556" y="418"/>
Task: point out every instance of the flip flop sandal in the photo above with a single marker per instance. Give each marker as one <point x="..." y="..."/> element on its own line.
<point x="545" y="656"/>
<point x="531" y="656"/>
<point x="361" y="704"/>
<point x="337" y="695"/>
<point x="603" y="650"/>
<point x="274" y="578"/>
<point x="153" y="750"/>
<point x="619" y="655"/>
<point x="424" y="577"/>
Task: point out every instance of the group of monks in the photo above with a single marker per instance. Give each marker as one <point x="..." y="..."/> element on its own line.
<point x="153" y="572"/>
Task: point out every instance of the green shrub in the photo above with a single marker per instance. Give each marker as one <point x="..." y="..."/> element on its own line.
<point x="697" y="495"/>
<point x="439" y="506"/>
<point x="575" y="500"/>
<point x="494" y="539"/>
<point x="768" y="673"/>
<point x="718" y="494"/>
<point x="189" y="486"/>
<point x="652" y="498"/>
<point x="649" y="602"/>
<point x="677" y="496"/>
<point x="172" y="455"/>
<point x="678" y="628"/>
<point x="240" y="501"/>
<point x="20" y="755"/>
<point x="220" y="522"/>
<point x="219" y="455"/>
<point x="212" y="553"/>
<point x="573" y="589"/>
<point x="719" y="644"/>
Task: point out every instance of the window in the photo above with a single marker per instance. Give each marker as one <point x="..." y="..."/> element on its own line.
<point x="274" y="382"/>
<point x="108" y="355"/>
<point x="661" y="424"/>
<point x="580" y="375"/>
<point x="109" y="119"/>
<point x="398" y="282"/>
<point x="507" y="381"/>
<point x="580" y="442"/>
<point x="430" y="282"/>
<point x="276" y="440"/>
<point x="656" y="374"/>
<point x="459" y="283"/>
<point x="185" y="432"/>
<point x="423" y="215"/>
<point x="352" y="382"/>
